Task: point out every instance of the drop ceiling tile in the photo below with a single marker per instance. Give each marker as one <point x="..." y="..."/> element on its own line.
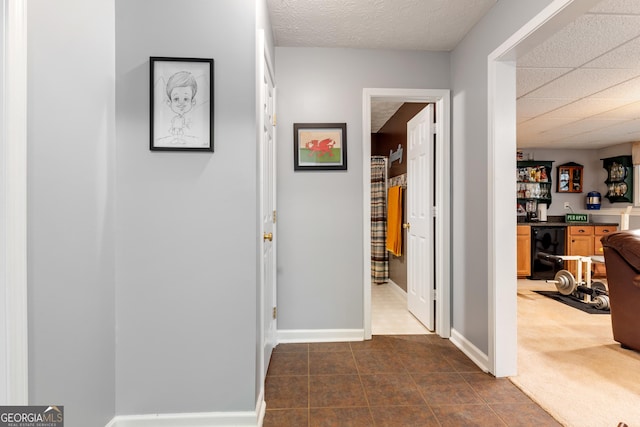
<point x="587" y="37"/>
<point x="617" y="6"/>
<point x="624" y="56"/>
<point x="533" y="107"/>
<point x="627" y="111"/>
<point x="581" y="83"/>
<point x="529" y="79"/>
<point x="581" y="126"/>
<point x="629" y="90"/>
<point x="535" y="125"/>
<point x="586" y="107"/>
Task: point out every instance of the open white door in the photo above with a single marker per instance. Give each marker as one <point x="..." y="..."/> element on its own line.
<point x="420" y="217"/>
<point x="268" y="211"/>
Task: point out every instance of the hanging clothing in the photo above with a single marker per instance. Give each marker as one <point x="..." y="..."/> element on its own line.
<point x="379" y="255"/>
<point x="394" y="221"/>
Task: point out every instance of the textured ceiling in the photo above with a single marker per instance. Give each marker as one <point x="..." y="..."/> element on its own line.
<point x="434" y="25"/>
<point x="578" y="89"/>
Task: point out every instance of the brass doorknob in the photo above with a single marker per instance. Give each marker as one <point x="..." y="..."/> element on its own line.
<point x="406" y="225"/>
<point x="268" y="236"/>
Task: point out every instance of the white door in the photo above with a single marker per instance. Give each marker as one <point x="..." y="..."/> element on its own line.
<point x="420" y="219"/>
<point x="268" y="212"/>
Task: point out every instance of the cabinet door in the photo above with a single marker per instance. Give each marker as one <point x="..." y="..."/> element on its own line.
<point x="579" y="242"/>
<point x="524" y="251"/>
<point x="599" y="269"/>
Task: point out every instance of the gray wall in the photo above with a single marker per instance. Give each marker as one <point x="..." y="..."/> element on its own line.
<point x="71" y="123"/>
<point x="593" y="178"/>
<point x="186" y="222"/>
<point x="470" y="154"/>
<point x="320" y="255"/>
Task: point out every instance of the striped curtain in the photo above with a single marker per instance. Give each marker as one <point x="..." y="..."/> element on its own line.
<point x="379" y="256"/>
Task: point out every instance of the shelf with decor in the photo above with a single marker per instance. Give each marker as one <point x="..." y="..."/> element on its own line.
<point x="619" y="179"/>
<point x="534" y="183"/>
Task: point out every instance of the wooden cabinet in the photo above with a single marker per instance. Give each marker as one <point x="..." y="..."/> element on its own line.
<point x="599" y="269"/>
<point x="585" y="240"/>
<point x="524" y="251"/>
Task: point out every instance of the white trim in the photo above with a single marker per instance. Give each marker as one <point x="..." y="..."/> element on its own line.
<point x="441" y="98"/>
<point x="502" y="337"/>
<point x="319" y="335"/>
<point x="470" y="350"/>
<point x="199" y="419"/>
<point x="13" y="284"/>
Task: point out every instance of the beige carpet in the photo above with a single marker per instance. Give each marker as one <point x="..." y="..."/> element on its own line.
<point x="569" y="363"/>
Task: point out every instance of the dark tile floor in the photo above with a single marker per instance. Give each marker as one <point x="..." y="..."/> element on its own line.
<point x="405" y="380"/>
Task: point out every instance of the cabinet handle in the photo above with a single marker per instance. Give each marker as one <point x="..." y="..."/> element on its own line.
<point x="605" y="231"/>
<point x="580" y="231"/>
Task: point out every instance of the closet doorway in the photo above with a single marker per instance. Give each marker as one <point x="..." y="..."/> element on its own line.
<point x="432" y="243"/>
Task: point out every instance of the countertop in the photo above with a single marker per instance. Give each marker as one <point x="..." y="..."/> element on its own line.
<point x="559" y="221"/>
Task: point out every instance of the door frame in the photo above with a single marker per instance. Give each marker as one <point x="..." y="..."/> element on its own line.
<point x="264" y="64"/>
<point x="441" y="99"/>
<point x="14" y="355"/>
<point x="502" y="280"/>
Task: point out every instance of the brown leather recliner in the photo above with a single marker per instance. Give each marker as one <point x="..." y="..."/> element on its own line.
<point x="622" y="260"/>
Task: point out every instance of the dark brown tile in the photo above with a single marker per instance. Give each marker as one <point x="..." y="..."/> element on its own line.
<point x="291" y="347"/>
<point x="460" y="362"/>
<point x="403" y="416"/>
<point x="524" y="415"/>
<point x="424" y="362"/>
<point x="445" y="389"/>
<point x="467" y="415"/>
<point x="287" y="392"/>
<point x="336" y="390"/>
<point x="284" y="363"/>
<point x="286" y="418"/>
<point x="377" y="362"/>
<point x="391" y="390"/>
<point x="331" y="363"/>
<point x="411" y="343"/>
<point x="377" y="342"/>
<point x="495" y="390"/>
<point x="329" y="346"/>
<point x="340" y="417"/>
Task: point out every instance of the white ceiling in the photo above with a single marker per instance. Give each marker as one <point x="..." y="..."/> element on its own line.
<point x="578" y="89"/>
<point x="581" y="87"/>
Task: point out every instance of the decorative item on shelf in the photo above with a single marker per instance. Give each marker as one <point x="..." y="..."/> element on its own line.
<point x="569" y="178"/>
<point x="533" y="180"/>
<point x="619" y="179"/>
<point x="593" y="200"/>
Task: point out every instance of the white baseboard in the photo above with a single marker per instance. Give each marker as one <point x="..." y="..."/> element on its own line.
<point x="397" y="289"/>
<point x="319" y="335"/>
<point x="472" y="352"/>
<point x="200" y="419"/>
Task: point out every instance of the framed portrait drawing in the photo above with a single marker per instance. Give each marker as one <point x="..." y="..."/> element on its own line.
<point x="319" y="146"/>
<point x="181" y="107"/>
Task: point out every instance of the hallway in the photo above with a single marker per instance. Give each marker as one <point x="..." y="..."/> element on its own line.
<point x="403" y="380"/>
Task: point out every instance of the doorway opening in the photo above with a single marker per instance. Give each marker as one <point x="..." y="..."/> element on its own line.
<point x="390" y="309"/>
<point x="441" y="202"/>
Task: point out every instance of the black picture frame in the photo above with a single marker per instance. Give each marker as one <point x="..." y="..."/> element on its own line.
<point x="319" y="146"/>
<point x="181" y="104"/>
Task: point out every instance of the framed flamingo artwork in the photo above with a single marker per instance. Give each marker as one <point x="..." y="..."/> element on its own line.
<point x="319" y="146"/>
